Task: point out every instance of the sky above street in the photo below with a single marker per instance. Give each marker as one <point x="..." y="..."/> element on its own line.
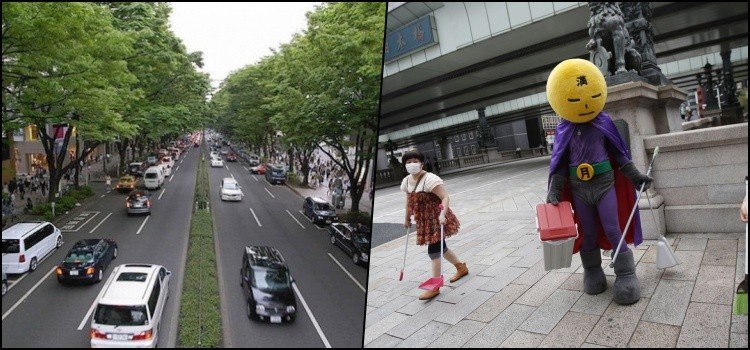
<point x="233" y="35"/>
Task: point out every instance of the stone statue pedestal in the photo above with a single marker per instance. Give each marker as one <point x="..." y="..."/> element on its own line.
<point x="647" y="110"/>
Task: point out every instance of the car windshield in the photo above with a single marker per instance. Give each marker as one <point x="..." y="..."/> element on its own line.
<point x="79" y="256"/>
<point x="361" y="239"/>
<point x="323" y="206"/>
<point x="116" y="315"/>
<point x="126" y="179"/>
<point x="10" y="246"/>
<point x="231" y="186"/>
<point x="137" y="196"/>
<point x="269" y="280"/>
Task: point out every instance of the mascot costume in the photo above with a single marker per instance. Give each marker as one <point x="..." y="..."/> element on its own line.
<point x="592" y="169"/>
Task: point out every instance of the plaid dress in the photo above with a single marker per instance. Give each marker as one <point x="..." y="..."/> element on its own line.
<point x="426" y="210"/>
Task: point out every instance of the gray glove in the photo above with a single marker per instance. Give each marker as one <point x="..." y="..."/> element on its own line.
<point x="555" y="189"/>
<point x="635" y="176"/>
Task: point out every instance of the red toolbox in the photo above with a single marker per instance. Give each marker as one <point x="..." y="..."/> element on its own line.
<point x="557" y="233"/>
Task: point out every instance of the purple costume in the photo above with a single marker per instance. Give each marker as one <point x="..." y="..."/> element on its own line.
<point x="596" y="201"/>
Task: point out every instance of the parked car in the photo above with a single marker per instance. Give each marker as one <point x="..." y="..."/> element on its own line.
<point x="5" y="283"/>
<point x="87" y="261"/>
<point x="129" y="310"/>
<point x="25" y="243"/>
<point x="267" y="285"/>
<point x="167" y="163"/>
<point x="138" y="202"/>
<point x="153" y="178"/>
<point x="253" y="160"/>
<point x="230" y="190"/>
<point x="151" y="160"/>
<point x="217" y="162"/>
<point x="258" y="169"/>
<point x="353" y="240"/>
<point x="213" y="154"/>
<point x="275" y="174"/>
<point x="319" y="211"/>
<point x="137" y="168"/>
<point x="126" y="183"/>
<point x="231" y="157"/>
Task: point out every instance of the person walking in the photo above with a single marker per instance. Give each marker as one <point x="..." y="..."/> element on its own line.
<point x="21" y="189"/>
<point x="424" y="194"/>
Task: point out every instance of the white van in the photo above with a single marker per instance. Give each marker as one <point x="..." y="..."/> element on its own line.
<point x="130" y="306"/>
<point x="26" y="243"/>
<point x="153" y="178"/>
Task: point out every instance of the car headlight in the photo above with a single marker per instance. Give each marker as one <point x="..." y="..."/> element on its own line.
<point x="260" y="308"/>
<point x="290" y="309"/>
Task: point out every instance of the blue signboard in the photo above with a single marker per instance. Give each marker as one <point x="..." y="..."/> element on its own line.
<point x="409" y="38"/>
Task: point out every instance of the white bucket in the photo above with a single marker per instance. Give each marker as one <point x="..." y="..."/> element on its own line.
<point x="558" y="254"/>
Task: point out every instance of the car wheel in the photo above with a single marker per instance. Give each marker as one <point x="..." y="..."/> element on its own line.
<point x="59" y="242"/>
<point x="249" y="308"/>
<point x="114" y="254"/>
<point x="32" y="265"/>
<point x="355" y="258"/>
<point x="5" y="287"/>
<point x="333" y="240"/>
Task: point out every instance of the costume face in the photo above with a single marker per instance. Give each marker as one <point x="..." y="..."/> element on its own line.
<point x="576" y="90"/>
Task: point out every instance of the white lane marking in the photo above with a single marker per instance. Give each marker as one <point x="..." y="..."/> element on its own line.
<point x="347" y="273"/>
<point x="295" y="219"/>
<point x="255" y="177"/>
<point x="93" y="304"/>
<point x="227" y="166"/>
<point x="23" y="298"/>
<point x="269" y="192"/>
<point x="232" y="175"/>
<point x="143" y="224"/>
<point x="171" y="178"/>
<point x="256" y="217"/>
<point x="84" y="224"/>
<point x="100" y="223"/>
<point x="162" y="193"/>
<point x="177" y="168"/>
<point x="312" y="317"/>
<point x="246" y="169"/>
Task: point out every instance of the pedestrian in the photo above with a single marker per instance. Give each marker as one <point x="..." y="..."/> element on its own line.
<point x="424" y="195"/>
<point x="21" y="189"/>
<point x="29" y="205"/>
<point x="44" y="187"/>
<point x="12" y="186"/>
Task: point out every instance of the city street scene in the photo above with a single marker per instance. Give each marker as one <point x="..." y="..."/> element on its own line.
<point x="529" y="136"/>
<point x="188" y="175"/>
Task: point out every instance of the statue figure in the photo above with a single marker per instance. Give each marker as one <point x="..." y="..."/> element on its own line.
<point x="637" y="16"/>
<point x="709" y="89"/>
<point x="611" y="48"/>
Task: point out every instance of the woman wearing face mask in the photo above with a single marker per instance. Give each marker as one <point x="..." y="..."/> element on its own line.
<point x="424" y="194"/>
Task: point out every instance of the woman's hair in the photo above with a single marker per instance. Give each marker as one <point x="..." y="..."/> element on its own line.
<point x="412" y="155"/>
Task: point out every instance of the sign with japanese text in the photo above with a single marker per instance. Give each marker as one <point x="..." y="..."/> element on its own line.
<point x="412" y="37"/>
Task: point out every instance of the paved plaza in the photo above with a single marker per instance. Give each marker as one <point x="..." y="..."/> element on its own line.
<point x="508" y="300"/>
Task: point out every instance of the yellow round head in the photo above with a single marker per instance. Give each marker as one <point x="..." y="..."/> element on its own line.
<point x="576" y="90"/>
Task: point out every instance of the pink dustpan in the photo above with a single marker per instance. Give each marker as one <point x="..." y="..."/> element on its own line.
<point x="432" y="284"/>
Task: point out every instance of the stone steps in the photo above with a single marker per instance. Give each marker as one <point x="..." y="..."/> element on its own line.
<point x="719" y="218"/>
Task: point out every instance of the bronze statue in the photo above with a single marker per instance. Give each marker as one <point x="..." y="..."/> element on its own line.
<point x="611" y="48"/>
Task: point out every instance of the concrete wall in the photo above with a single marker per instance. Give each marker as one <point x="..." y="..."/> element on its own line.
<point x="701" y="176"/>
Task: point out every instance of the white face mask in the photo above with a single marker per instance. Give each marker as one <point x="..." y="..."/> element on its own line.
<point x="413" y="168"/>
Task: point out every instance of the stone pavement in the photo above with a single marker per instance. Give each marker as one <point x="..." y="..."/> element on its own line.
<point x="508" y="300"/>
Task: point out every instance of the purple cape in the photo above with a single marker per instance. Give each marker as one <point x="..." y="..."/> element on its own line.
<point x="626" y="194"/>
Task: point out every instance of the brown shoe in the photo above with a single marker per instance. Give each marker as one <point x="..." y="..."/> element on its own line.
<point x="461" y="271"/>
<point x="429" y="294"/>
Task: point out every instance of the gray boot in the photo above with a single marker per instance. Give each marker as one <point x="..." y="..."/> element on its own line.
<point x="627" y="289"/>
<point x="594" y="281"/>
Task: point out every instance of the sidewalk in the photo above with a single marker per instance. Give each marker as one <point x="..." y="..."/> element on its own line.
<point x="365" y="204"/>
<point x="508" y="300"/>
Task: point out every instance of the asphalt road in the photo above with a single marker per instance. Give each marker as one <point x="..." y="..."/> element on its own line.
<point x="39" y="312"/>
<point x="335" y="302"/>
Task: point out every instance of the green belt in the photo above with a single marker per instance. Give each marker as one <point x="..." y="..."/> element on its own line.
<point x="599" y="168"/>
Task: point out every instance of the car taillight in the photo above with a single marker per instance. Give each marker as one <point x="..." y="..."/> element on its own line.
<point x="90" y="271"/>
<point x="98" y="335"/>
<point x="143" y="335"/>
<point x="148" y="203"/>
<point x="58" y="271"/>
<point x="22" y="258"/>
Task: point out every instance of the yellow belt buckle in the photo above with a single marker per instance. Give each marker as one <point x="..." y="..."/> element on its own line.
<point x="585" y="171"/>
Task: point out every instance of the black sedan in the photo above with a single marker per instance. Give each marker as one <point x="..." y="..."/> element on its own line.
<point x="138" y="202"/>
<point x="267" y="285"/>
<point x="353" y="240"/>
<point x="87" y="260"/>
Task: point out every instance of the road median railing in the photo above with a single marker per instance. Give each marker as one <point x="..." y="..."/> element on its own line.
<point x="200" y="308"/>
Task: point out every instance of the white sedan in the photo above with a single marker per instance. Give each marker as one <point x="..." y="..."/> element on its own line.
<point x="216" y="162"/>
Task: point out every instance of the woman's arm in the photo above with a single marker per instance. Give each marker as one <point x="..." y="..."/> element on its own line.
<point x="440" y="191"/>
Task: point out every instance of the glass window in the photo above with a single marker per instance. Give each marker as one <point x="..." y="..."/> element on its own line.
<point x="270" y="280"/>
<point x="471" y="135"/>
<point x="11" y="246"/>
<point x="132" y="277"/>
<point x="463" y="137"/>
<point x="466" y="150"/>
<point x="154" y="298"/>
<point x="456" y="138"/>
<point x="473" y="149"/>
<point x="115" y="315"/>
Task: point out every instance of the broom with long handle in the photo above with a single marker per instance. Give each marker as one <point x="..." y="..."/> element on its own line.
<point x="406" y="247"/>
<point x="740" y="298"/>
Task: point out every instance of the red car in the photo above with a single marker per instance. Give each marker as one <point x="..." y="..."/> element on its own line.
<point x="231" y="157"/>
<point x="260" y="169"/>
